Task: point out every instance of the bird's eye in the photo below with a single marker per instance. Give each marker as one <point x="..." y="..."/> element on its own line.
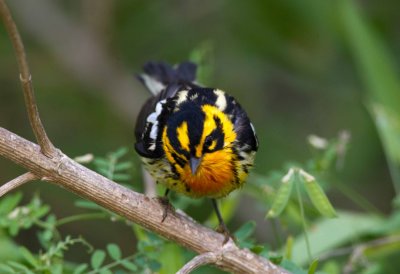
<point x="209" y="143"/>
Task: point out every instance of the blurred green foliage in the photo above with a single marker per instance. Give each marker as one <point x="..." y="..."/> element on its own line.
<point x="298" y="67"/>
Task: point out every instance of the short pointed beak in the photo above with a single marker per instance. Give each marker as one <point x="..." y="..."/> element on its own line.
<point x="194" y="164"/>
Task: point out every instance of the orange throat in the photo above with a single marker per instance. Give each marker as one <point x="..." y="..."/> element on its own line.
<point x="215" y="177"/>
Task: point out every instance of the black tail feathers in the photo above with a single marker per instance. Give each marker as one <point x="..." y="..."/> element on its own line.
<point x="158" y="75"/>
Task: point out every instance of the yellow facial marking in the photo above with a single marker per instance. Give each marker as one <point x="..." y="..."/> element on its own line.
<point x="167" y="146"/>
<point x="213" y="145"/>
<point x="183" y="136"/>
<point x="210" y="125"/>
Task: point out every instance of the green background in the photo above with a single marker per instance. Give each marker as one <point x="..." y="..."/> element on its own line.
<point x="297" y="67"/>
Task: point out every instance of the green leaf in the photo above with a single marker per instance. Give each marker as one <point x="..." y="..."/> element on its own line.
<point x="387" y="122"/>
<point x="56" y="268"/>
<point x="8" y="249"/>
<point x="114" y="251"/>
<point x="328" y="157"/>
<point x="245" y="231"/>
<point x="9" y="202"/>
<point x="313" y="267"/>
<point x="120" y="152"/>
<point x="377" y="67"/>
<point x="331" y="267"/>
<point x="104" y="171"/>
<point x="292" y="267"/>
<point x="20" y="267"/>
<point x="257" y="249"/>
<point x="122" y="177"/>
<point x="140" y="233"/>
<point x="171" y="258"/>
<point x="282" y="197"/>
<point x="13" y="229"/>
<point x="29" y="257"/>
<point x="154" y="265"/>
<point x="80" y="269"/>
<point x="101" y="163"/>
<point x="41" y="211"/>
<point x="129" y="265"/>
<point x="105" y="271"/>
<point x="6" y="269"/>
<point x="289" y="247"/>
<point x="328" y="234"/>
<point x="374" y="61"/>
<point x="97" y="258"/>
<point x="276" y="259"/>
<point x="47" y="235"/>
<point x="319" y="198"/>
<point x="123" y="166"/>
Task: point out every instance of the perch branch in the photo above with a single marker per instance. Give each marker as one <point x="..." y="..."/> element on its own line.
<point x="26" y="81"/>
<point x="199" y="260"/>
<point x="20" y="180"/>
<point x="136" y="207"/>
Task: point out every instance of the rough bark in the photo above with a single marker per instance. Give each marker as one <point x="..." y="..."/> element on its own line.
<point x="136" y="207"/>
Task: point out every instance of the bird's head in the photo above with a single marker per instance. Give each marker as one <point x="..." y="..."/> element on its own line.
<point x="198" y="142"/>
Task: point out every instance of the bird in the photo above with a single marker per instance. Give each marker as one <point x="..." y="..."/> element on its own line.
<point x="195" y="140"/>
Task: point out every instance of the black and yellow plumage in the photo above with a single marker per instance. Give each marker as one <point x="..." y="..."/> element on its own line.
<point x="195" y="140"/>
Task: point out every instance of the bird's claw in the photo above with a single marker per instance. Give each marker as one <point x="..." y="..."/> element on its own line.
<point x="164" y="201"/>
<point x="225" y="231"/>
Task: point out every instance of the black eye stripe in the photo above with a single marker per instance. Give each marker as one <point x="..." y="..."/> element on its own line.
<point x="181" y="162"/>
<point x="218" y="122"/>
<point x="217" y="134"/>
<point x="194" y="117"/>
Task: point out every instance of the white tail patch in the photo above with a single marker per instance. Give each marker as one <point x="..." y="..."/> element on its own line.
<point x="152" y="84"/>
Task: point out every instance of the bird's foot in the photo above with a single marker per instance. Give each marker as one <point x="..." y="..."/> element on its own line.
<point x="225" y="231"/>
<point x="164" y="201"/>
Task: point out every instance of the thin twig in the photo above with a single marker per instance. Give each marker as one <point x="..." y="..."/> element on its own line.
<point x="93" y="64"/>
<point x="26" y="80"/>
<point x="20" y="180"/>
<point x="196" y="262"/>
<point x="335" y="253"/>
<point x="359" y="251"/>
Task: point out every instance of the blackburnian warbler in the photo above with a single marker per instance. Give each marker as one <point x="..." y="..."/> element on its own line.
<point x="194" y="140"/>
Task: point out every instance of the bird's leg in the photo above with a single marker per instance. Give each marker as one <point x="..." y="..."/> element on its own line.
<point x="166" y="204"/>
<point x="222" y="228"/>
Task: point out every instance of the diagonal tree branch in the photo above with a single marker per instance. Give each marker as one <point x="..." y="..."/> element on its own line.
<point x="20" y="180"/>
<point x="26" y="81"/>
<point x="136" y="207"/>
